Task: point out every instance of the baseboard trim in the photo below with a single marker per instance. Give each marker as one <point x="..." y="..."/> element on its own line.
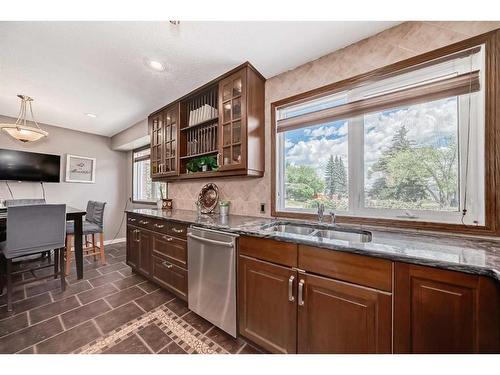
<point x="116" y="240"/>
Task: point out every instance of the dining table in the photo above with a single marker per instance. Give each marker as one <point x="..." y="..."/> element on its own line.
<point x="72" y="214"/>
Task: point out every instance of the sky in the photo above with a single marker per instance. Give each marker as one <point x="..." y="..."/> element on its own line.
<point x="429" y="124"/>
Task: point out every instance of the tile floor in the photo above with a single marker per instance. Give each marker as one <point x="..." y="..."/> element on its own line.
<point x="111" y="310"/>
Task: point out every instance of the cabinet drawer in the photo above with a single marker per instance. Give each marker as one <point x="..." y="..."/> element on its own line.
<point x="358" y="269"/>
<point x="177" y="230"/>
<point x="141" y="221"/>
<point x="171" y="249"/>
<point x="283" y="253"/>
<point x="170" y="276"/>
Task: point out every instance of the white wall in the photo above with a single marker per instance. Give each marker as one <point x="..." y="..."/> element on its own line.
<point x="112" y="179"/>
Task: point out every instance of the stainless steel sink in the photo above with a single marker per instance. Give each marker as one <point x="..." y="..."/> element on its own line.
<point x="315" y="230"/>
<point x="291" y="228"/>
<point x="344" y="235"/>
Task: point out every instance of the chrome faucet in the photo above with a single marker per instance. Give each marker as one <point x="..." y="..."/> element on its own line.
<point x="321" y="211"/>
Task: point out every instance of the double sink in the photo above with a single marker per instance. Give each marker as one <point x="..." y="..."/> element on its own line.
<point x="328" y="232"/>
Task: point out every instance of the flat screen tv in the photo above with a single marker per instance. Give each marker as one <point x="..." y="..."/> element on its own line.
<point x="29" y="166"/>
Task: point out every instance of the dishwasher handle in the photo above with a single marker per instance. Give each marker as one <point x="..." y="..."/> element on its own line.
<point x="208" y="240"/>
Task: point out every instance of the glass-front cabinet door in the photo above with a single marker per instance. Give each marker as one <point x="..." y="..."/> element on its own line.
<point x="232" y="112"/>
<point x="170" y="127"/>
<point x="156" y="130"/>
<point x="164" y="127"/>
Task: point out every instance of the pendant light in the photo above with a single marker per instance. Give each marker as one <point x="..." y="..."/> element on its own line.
<point x="20" y="130"/>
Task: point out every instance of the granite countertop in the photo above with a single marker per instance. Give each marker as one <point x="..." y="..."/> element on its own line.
<point x="474" y="255"/>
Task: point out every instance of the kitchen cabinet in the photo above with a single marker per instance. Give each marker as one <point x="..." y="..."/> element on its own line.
<point x="163" y="128"/>
<point x="222" y="120"/>
<point x="157" y="250"/>
<point x="144" y="247"/>
<point x="339" y="317"/>
<point x="139" y="249"/>
<point x="132" y="247"/>
<point x="441" y="311"/>
<point x="232" y="107"/>
<point x="289" y="310"/>
<point x="267" y="307"/>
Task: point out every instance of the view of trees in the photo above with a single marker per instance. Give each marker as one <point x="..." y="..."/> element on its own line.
<point x="405" y="176"/>
<point x="411" y="176"/>
<point x="305" y="188"/>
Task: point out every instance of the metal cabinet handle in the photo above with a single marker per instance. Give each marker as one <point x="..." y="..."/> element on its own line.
<point x="159" y="226"/>
<point x="177" y="230"/>
<point x="167" y="238"/>
<point x="167" y="265"/>
<point x="301" y="292"/>
<point x="213" y="242"/>
<point x="143" y="222"/>
<point x="290" y="289"/>
<point x="131" y="219"/>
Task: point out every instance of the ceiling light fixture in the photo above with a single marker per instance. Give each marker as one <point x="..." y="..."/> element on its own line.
<point x="20" y="130"/>
<point x="93" y="115"/>
<point x="156" y="65"/>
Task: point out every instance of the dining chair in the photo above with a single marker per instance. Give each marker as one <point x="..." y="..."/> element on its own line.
<point x="23" y="202"/>
<point x="92" y="226"/>
<point x="33" y="229"/>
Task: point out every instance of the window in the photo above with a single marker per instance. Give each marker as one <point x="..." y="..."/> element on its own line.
<point x="408" y="146"/>
<point x="144" y="190"/>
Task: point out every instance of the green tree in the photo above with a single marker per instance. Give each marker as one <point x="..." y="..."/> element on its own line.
<point x="387" y="187"/>
<point x="330" y="177"/>
<point x="335" y="177"/>
<point x="341" y="176"/>
<point x="302" y="182"/>
<point x="416" y="174"/>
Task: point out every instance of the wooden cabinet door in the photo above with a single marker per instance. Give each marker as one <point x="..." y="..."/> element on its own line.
<point x="132" y="247"/>
<point x="233" y="122"/>
<point x="338" y="317"/>
<point x="267" y="304"/>
<point x="440" y="311"/>
<point x="156" y="143"/>
<point x="144" y="245"/>
<point x="170" y="130"/>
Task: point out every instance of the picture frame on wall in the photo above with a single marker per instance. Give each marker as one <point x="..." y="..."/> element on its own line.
<point x="80" y="169"/>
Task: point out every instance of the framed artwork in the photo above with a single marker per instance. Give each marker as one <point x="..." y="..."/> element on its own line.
<point x="80" y="169"/>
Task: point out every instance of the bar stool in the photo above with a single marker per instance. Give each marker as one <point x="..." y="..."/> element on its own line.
<point x="93" y="224"/>
<point x="33" y="229"/>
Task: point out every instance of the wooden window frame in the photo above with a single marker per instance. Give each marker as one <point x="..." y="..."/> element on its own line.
<point x="150" y="203"/>
<point x="491" y="40"/>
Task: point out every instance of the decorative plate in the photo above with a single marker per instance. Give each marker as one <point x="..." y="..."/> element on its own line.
<point x="208" y="198"/>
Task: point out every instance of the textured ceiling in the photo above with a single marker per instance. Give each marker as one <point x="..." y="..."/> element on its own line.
<point x="73" y="68"/>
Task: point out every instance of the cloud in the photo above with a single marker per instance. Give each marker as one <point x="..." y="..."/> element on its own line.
<point x="315" y="152"/>
<point x="333" y="129"/>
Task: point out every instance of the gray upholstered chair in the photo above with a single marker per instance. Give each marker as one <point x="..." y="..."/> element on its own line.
<point x="93" y="224"/>
<point x="23" y="202"/>
<point x="33" y="229"/>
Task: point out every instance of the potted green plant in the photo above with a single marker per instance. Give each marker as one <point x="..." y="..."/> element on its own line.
<point x="192" y="166"/>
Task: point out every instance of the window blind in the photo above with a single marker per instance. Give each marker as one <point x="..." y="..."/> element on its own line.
<point x="454" y="86"/>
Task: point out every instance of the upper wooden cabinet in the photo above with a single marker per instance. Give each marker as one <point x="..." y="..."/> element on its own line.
<point x="163" y="127"/>
<point x="223" y="119"/>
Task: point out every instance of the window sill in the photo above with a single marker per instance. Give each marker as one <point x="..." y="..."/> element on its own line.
<point x="150" y="203"/>
<point x="393" y="223"/>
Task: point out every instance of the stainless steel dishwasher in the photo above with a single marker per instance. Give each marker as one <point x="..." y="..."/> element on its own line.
<point x="212" y="276"/>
